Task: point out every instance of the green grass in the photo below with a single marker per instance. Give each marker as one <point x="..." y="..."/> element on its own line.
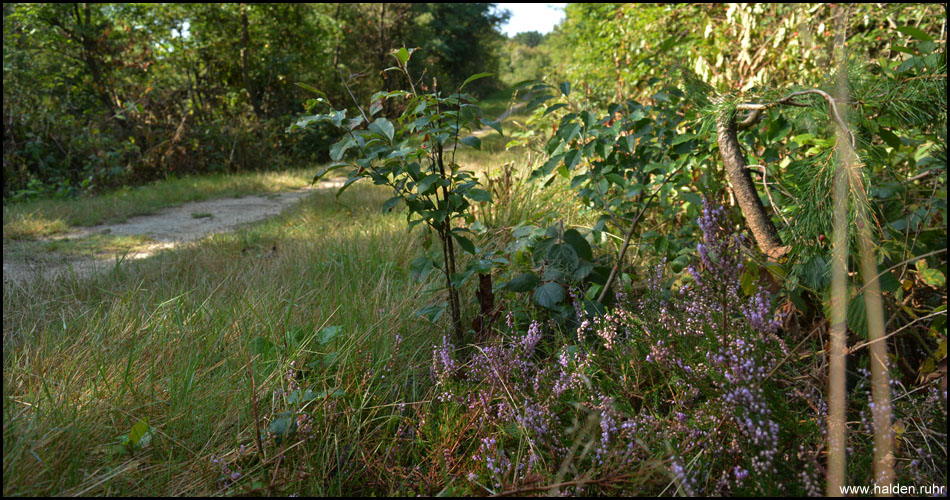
<point x="40" y="218"/>
<point x="169" y="339"/>
<point x="174" y="339"/>
<point x="96" y="245"/>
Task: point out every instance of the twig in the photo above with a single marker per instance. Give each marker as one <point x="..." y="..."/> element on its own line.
<point x="788" y="100"/>
<point x="626" y="239"/>
<point x="768" y="193"/>
<point x="899" y="264"/>
<point x="257" y="420"/>
<point x="895" y="332"/>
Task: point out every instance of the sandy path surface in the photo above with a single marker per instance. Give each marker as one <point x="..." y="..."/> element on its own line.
<point x="166" y="229"/>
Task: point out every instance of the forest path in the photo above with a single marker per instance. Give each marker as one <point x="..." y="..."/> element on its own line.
<point x="163" y="230"/>
<point x="166" y="229"/>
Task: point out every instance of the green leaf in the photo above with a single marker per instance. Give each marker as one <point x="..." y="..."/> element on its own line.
<point x="522" y="283"/>
<point x="262" y="346"/>
<point x="888" y="282"/>
<point x="579" y="244"/>
<point x="402" y="55"/>
<point x="383" y="127"/>
<point x="337" y="150"/>
<point x="346" y="184"/>
<point x="391" y="203"/>
<point x="324" y="171"/>
<point x="564" y="256"/>
<point x="420" y="267"/>
<point x="311" y="89"/>
<point x="431" y="312"/>
<point x="473" y="78"/>
<point x="933" y="277"/>
<point x="327" y="333"/>
<point x="749" y="279"/>
<point x="426" y="182"/>
<point x="493" y="124"/>
<point x="594" y="308"/>
<point x="902" y="49"/>
<point x="583" y="271"/>
<point x="571" y="159"/>
<point x="549" y="295"/>
<point x="693" y="198"/>
<point x="569" y="132"/>
<point x="283" y="427"/>
<point x="466" y="243"/>
<point x="857" y="316"/>
<point x="889" y="138"/>
<point x="472" y="141"/>
<point x="914" y="32"/>
<point x="140" y="436"/>
<point x="554" y="108"/>
<point x="681" y="138"/>
<point x="299" y="396"/>
<point x="476" y="194"/>
<point x="565" y="88"/>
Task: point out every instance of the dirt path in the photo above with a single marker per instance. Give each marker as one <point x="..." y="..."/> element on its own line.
<point x="165" y="229"/>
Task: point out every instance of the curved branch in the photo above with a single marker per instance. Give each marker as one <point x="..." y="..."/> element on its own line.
<point x="764" y="231"/>
<point x="789" y="101"/>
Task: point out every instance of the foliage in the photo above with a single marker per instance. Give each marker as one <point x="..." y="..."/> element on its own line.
<point x="611" y="50"/>
<point x="693" y="366"/>
<point x="525" y="56"/>
<point x="557" y="261"/>
<point x="99" y="96"/>
<point x="415" y="157"/>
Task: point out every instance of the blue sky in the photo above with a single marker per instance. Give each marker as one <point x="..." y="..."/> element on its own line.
<point x="541" y="17"/>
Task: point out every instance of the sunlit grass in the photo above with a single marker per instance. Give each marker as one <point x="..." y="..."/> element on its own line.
<point x="95" y="245"/>
<point x="167" y="338"/>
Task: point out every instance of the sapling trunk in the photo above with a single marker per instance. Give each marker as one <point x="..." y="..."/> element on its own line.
<point x="448" y="250"/>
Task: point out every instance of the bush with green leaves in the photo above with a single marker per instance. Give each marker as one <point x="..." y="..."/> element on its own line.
<point x="559" y="262"/>
<point x="414" y="155"/>
<point x="623" y="162"/>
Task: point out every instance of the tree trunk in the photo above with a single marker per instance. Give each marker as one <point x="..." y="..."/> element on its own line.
<point x="245" y="69"/>
<point x="766" y="236"/>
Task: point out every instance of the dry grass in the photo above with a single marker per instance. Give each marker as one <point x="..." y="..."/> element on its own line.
<point x="168" y="339"/>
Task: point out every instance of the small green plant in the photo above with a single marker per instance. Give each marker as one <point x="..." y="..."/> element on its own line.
<point x="138" y="438"/>
<point x="560" y="260"/>
<point x="414" y="155"/>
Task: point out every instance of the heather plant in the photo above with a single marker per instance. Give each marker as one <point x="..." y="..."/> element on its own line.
<point x="684" y="390"/>
<point x="675" y="381"/>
